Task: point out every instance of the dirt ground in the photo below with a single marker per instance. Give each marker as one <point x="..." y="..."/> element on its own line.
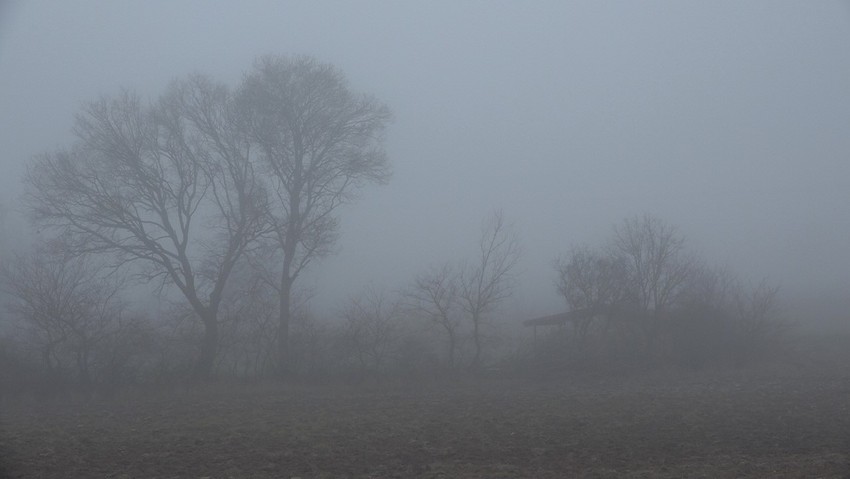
<point x="675" y="425"/>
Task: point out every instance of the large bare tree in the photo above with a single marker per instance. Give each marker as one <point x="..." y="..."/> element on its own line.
<point x="316" y="142"/>
<point x="166" y="185"/>
<point x="488" y="281"/>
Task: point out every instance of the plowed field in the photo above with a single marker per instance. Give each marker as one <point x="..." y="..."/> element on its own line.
<point x="730" y="425"/>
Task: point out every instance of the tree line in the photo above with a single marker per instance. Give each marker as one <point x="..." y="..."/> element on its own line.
<point x="225" y="196"/>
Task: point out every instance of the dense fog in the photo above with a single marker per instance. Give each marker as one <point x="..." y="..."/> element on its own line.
<point x="424" y="239"/>
<point x="726" y="120"/>
<point x="724" y="123"/>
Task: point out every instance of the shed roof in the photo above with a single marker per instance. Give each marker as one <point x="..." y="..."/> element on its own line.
<point x="558" y="319"/>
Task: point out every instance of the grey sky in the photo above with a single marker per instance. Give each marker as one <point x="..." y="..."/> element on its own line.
<point x="730" y="120"/>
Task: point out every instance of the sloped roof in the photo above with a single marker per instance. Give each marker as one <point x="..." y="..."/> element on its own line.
<point x="557" y="319"/>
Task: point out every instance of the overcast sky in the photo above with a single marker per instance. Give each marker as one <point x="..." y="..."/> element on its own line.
<point x="730" y="120"/>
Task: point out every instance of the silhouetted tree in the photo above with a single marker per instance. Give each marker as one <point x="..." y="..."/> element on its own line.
<point x="755" y="309"/>
<point x="593" y="282"/>
<point x="435" y="295"/>
<point x="167" y="185"/>
<point x="484" y="284"/>
<point x="67" y="304"/>
<point x="371" y="328"/>
<point x="720" y="318"/>
<point x="657" y="268"/>
<point x="316" y="142"/>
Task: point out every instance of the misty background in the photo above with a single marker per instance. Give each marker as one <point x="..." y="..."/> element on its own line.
<point x="728" y="120"/>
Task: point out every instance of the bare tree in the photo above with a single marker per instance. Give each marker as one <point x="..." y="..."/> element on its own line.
<point x="719" y="314"/>
<point x="657" y="267"/>
<point x="710" y="288"/>
<point x="483" y="285"/>
<point x="317" y="143"/>
<point x="755" y="310"/>
<point x="67" y="303"/>
<point x="435" y="295"/>
<point x="167" y="185"/>
<point x="593" y="282"/>
<point x="372" y="326"/>
<point x="654" y="254"/>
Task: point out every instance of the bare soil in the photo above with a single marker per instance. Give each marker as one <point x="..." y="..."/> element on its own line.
<point x="674" y="425"/>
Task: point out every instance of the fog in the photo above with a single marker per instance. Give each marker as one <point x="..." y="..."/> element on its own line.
<point x="614" y="242"/>
<point x="728" y="120"/>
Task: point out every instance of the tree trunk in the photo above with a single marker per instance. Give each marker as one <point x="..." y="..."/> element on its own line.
<point x="451" y="350"/>
<point x="209" y="348"/>
<point x="285" y="314"/>
<point x="476" y="337"/>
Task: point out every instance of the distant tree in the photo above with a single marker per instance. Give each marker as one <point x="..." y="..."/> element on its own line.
<point x="484" y="284"/>
<point x="67" y="304"/>
<point x="755" y="309"/>
<point x="434" y="294"/>
<point x="703" y="324"/>
<point x="654" y="254"/>
<point x="593" y="282"/>
<point x="718" y="315"/>
<point x="316" y="142"/>
<point x="372" y="324"/>
<point x="651" y="288"/>
<point x="710" y="288"/>
<point x="169" y="186"/>
<point x="657" y="268"/>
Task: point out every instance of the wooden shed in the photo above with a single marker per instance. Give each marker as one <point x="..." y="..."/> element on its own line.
<point x="558" y="320"/>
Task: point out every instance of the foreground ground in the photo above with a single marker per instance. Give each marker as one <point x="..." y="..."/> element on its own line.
<point x="734" y="424"/>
